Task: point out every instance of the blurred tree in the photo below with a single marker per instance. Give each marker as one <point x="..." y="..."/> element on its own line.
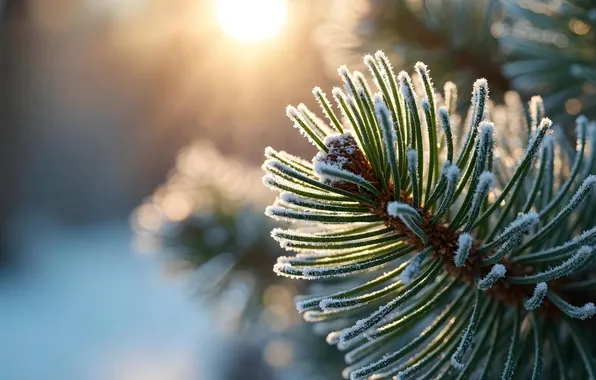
<point x="550" y="49"/>
<point x="201" y="223"/>
<point x="207" y="223"/>
<point x="535" y="47"/>
<point x="452" y="36"/>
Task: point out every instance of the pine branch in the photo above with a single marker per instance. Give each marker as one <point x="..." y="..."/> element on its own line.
<point x="405" y="246"/>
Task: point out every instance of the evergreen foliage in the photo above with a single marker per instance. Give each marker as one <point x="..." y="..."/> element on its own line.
<point x="202" y="225"/>
<point x="530" y="46"/>
<point x="550" y="48"/>
<point x="442" y="246"/>
<point x="452" y="36"/>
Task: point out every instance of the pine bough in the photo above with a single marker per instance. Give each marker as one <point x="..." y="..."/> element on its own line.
<point x="549" y="46"/>
<point x="439" y="256"/>
<point x="205" y="229"/>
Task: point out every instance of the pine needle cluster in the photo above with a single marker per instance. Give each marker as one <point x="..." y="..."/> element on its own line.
<point x="438" y="253"/>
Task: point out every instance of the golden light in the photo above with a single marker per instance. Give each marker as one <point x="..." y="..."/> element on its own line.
<point x="176" y="206"/>
<point x="573" y="106"/>
<point x="251" y="21"/>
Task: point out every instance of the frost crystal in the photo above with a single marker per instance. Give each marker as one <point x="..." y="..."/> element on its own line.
<point x="536" y="300"/>
<point x="464" y="244"/>
<point x="498" y="271"/>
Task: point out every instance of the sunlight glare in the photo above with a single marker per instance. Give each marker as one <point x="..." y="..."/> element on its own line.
<point x="251" y="21"/>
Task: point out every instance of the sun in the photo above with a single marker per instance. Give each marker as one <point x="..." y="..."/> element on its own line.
<point x="251" y="21"/>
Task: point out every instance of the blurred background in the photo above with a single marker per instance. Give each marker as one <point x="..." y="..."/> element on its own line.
<point x="113" y="108"/>
<point x="98" y="96"/>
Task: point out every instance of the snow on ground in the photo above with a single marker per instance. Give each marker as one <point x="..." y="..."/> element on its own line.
<point x="82" y="306"/>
